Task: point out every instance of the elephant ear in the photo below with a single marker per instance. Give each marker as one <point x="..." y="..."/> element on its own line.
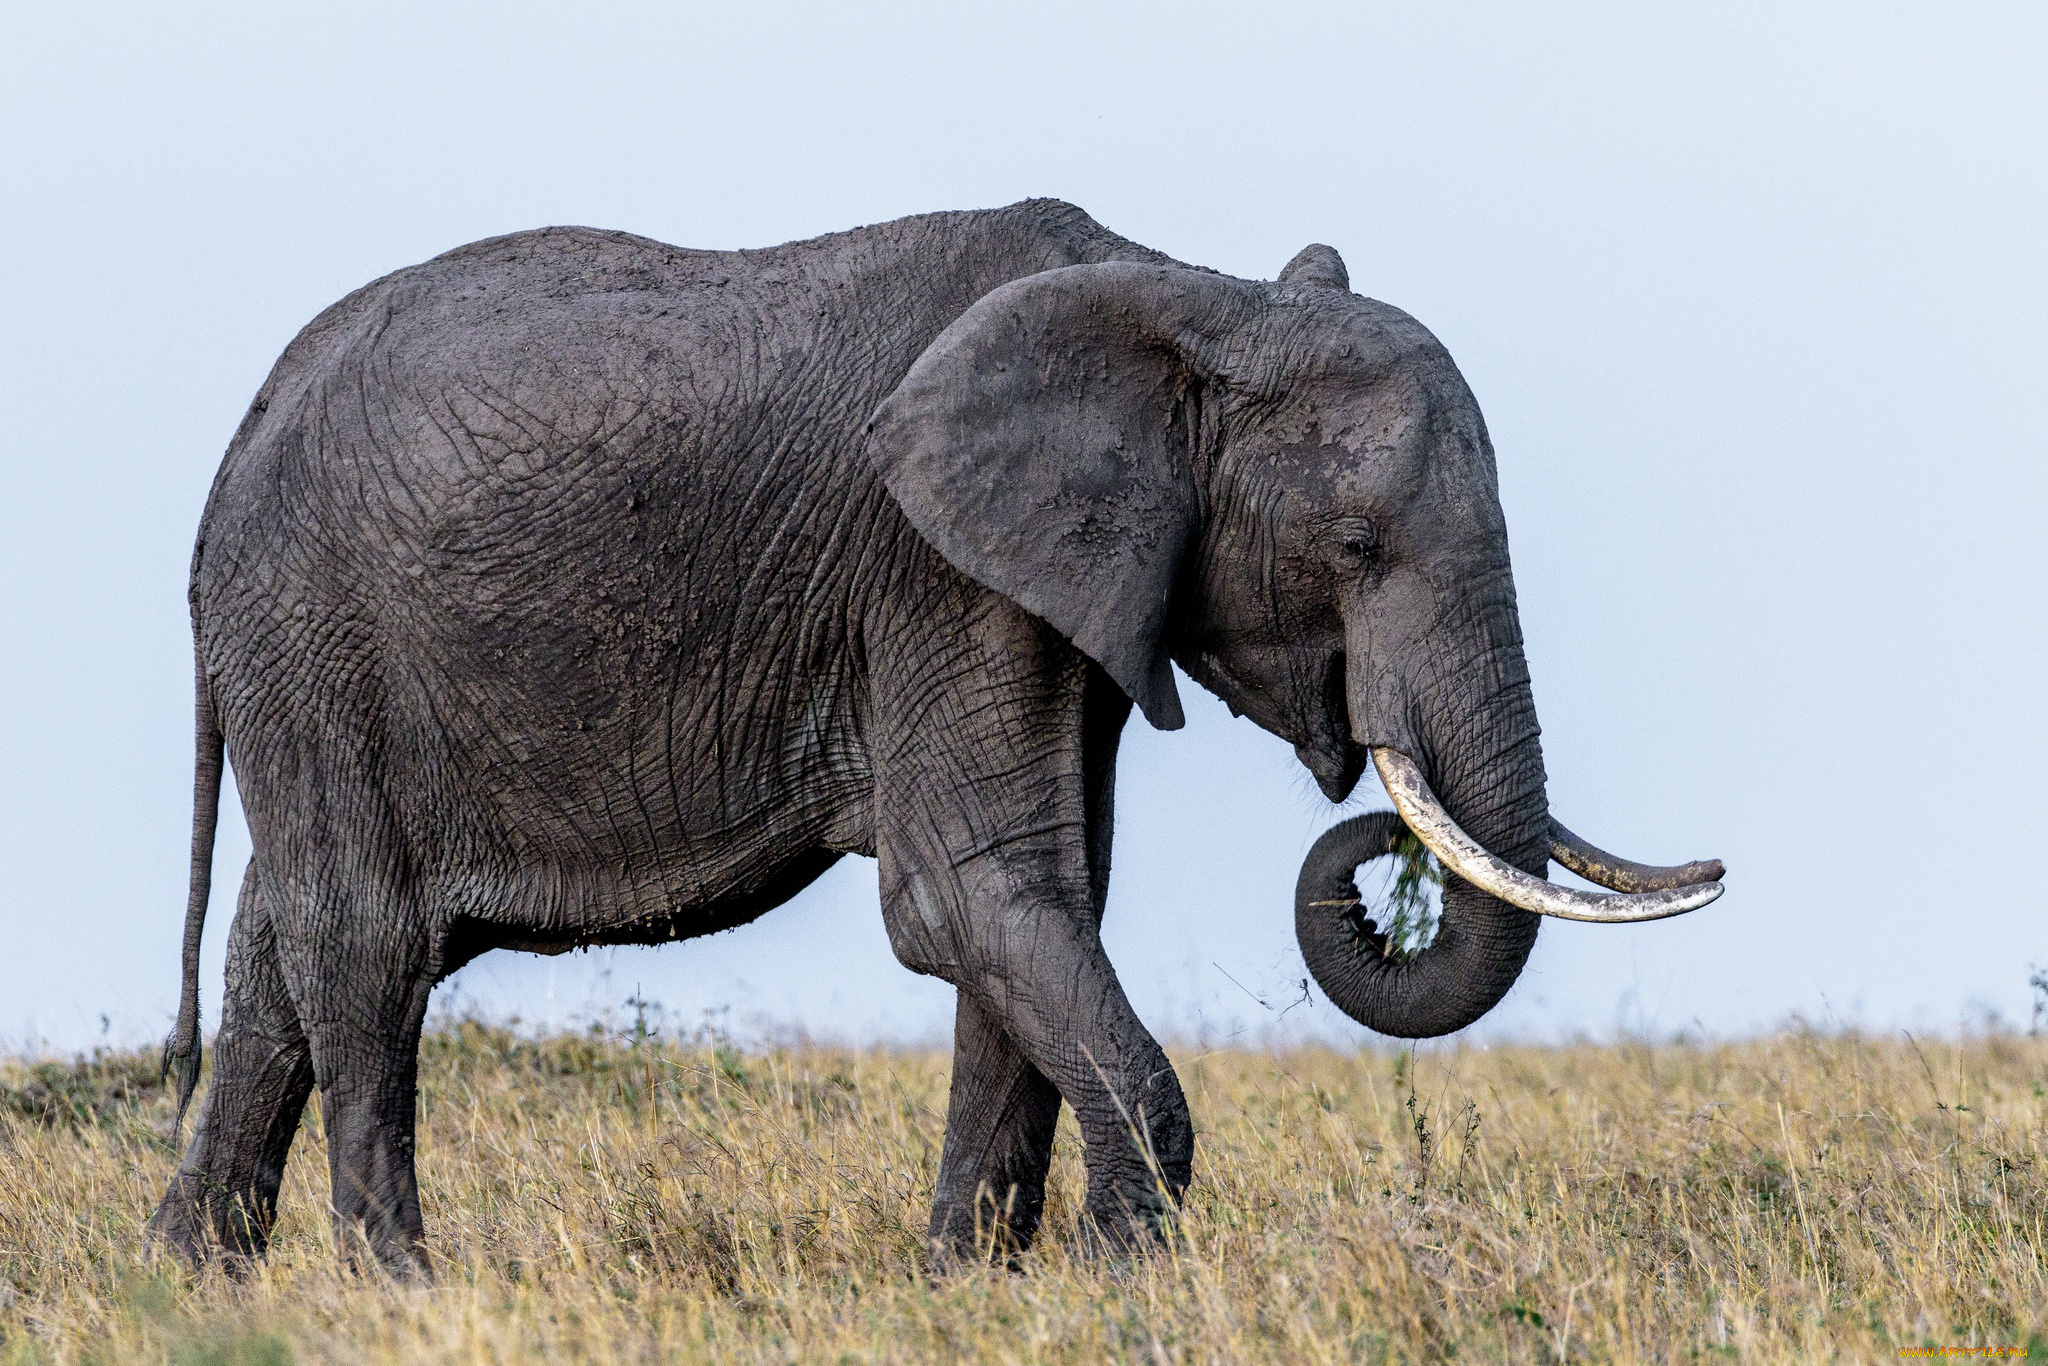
<point x="1316" y="264"/>
<point x="1041" y="444"/>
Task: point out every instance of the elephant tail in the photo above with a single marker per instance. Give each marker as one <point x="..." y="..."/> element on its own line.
<point x="181" y="1052"/>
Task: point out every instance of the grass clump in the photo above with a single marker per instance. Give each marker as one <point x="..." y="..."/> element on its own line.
<point x="82" y="1092"/>
<point x="601" y="1198"/>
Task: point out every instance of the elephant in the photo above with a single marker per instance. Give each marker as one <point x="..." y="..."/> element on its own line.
<point x="573" y="589"/>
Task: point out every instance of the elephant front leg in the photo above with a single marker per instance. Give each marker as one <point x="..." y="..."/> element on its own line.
<point x="1002" y="1111"/>
<point x="1128" y="1102"/>
<point x="1035" y="969"/>
<point x="1000" y="1119"/>
<point x="994" y="743"/>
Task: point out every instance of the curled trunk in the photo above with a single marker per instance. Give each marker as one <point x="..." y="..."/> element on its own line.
<point x="1470" y="727"/>
<point x="1480" y="945"/>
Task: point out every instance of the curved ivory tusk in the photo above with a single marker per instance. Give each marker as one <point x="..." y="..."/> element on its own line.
<point x="1597" y="865"/>
<point x="1466" y="857"/>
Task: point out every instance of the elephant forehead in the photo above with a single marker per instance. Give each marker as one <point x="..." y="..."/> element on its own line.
<point x="1370" y="466"/>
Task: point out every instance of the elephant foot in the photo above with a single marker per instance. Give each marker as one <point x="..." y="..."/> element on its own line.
<point x="400" y="1259"/>
<point x="1129" y="1229"/>
<point x="981" y="1233"/>
<point x="203" y="1224"/>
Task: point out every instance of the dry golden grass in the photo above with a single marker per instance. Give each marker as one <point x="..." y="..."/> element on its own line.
<point x="1803" y="1197"/>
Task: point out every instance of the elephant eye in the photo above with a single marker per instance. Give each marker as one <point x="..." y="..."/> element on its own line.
<point x="1358" y="547"/>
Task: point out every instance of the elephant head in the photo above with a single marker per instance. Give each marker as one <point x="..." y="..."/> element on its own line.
<point x="1287" y="489"/>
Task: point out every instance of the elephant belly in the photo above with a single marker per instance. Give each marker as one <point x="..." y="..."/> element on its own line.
<point x="648" y="911"/>
<point x="664" y="814"/>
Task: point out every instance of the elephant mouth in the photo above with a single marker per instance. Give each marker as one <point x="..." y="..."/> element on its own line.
<point x="1329" y="753"/>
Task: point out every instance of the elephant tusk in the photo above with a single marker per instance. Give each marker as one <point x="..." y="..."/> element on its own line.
<point x="1618" y="874"/>
<point x="1466" y="857"/>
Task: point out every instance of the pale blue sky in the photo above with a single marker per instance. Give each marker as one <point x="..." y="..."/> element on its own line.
<point x="1753" y="297"/>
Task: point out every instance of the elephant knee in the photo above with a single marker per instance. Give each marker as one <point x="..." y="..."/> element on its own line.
<point x="923" y="930"/>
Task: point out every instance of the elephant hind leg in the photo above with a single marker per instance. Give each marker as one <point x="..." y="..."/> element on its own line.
<point x="374" y="984"/>
<point x="224" y="1196"/>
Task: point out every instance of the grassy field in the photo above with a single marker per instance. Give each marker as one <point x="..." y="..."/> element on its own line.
<point x="1804" y="1197"/>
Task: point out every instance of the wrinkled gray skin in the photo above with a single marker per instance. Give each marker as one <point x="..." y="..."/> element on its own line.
<point x="575" y="589"/>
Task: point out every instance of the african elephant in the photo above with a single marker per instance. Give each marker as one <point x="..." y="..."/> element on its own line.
<point x="574" y="589"/>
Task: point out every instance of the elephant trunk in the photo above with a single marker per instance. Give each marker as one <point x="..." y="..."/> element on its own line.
<point x="1478" y="952"/>
<point x="1477" y="732"/>
<point x="1494" y="836"/>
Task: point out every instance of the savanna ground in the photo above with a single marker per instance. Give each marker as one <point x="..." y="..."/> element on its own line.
<point x="593" y="1197"/>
